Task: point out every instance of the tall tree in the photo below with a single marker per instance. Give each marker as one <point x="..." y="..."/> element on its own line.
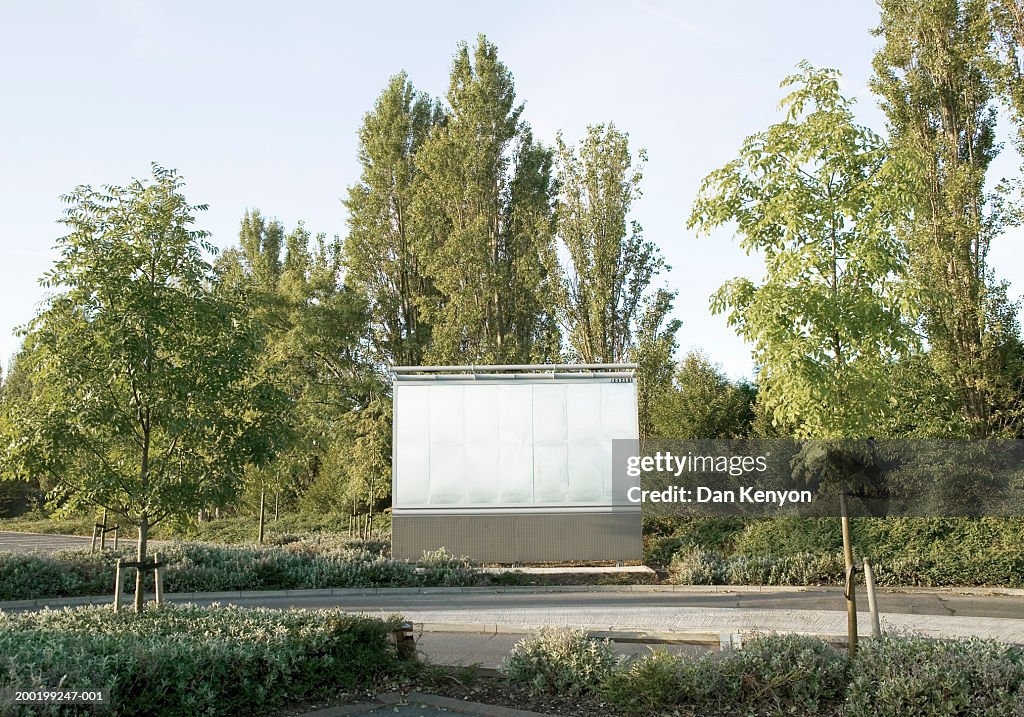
<point x="610" y="264"/>
<point x="378" y="251"/>
<point x="145" y="399"/>
<point x="934" y="75"/>
<point x="483" y="222"/>
<point x="814" y="195"/>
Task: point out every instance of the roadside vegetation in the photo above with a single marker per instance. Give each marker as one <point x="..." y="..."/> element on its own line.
<point x="182" y="661"/>
<point x="930" y="552"/>
<point x="894" y="676"/>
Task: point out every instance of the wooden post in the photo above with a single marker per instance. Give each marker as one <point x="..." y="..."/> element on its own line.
<point x="118" y="586"/>
<point x="158" y="580"/>
<point x="850" y="591"/>
<point x="103" y="533"/>
<point x="93" y="548"/>
<point x="869" y="584"/>
<point x="277" y="505"/>
<point x="263" y="500"/>
<point x="115" y="537"/>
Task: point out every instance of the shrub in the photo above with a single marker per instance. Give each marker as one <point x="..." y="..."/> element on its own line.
<point x="202" y="567"/>
<point x="780" y="674"/>
<point x="439" y="568"/>
<point x="896" y="676"/>
<point x="561" y="661"/>
<point x="187" y="660"/>
<point x="776" y="675"/>
<point x="694" y="566"/>
<point x="651" y="684"/>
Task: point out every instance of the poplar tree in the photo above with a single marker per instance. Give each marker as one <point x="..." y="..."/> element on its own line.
<point x="937" y="80"/>
<point x="378" y="250"/>
<point x="483" y="222"/>
<point x="610" y="264"/>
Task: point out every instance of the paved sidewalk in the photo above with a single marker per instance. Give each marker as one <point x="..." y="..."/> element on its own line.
<point x="722" y="622"/>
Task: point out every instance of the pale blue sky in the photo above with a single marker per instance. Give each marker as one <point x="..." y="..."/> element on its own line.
<point x="257" y="104"/>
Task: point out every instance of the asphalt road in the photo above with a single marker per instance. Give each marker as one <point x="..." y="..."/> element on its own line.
<point x="908" y="603"/>
<point x="889" y="601"/>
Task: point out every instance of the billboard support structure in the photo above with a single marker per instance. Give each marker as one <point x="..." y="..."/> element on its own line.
<point x="512" y="464"/>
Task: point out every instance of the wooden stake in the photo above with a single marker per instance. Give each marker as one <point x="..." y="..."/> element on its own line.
<point x="118" y="586"/>
<point x="263" y="500"/>
<point x="869" y="585"/>
<point x="850" y="591"/>
<point x="158" y="580"/>
<point x="103" y="532"/>
<point x="93" y="548"/>
<point x="115" y="538"/>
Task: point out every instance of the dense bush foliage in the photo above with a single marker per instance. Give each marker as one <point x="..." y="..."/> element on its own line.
<point x="177" y="660"/>
<point x="927" y="552"/>
<point x="312" y="563"/>
<point x="897" y="676"/>
<point x="791" y="674"/>
<point x="561" y="661"/>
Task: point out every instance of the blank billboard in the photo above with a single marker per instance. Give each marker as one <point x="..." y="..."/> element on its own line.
<point x="497" y="443"/>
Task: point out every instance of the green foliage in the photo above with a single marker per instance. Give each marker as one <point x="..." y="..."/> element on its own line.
<point x="565" y="661"/>
<point x="653" y="354"/>
<point x="610" y="264"/>
<point x="665" y="536"/>
<point x="703" y="403"/>
<point x="439" y="568"/>
<point x="928" y="552"/>
<point x="937" y="74"/>
<point x="186" y="660"/>
<point x="378" y="250"/>
<point x="771" y="675"/>
<point x="144" y="396"/>
<point x="483" y="222"/>
<point x="693" y="566"/>
<point x="310" y="563"/>
<point x="817" y="198"/>
<point x="895" y="676"/>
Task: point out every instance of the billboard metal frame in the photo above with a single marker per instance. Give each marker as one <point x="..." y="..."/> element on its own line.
<point x="515" y="533"/>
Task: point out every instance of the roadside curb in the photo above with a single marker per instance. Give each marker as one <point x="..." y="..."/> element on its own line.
<point x="510" y="589"/>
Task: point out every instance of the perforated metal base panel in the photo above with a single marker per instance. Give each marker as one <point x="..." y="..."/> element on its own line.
<point x="520" y="538"/>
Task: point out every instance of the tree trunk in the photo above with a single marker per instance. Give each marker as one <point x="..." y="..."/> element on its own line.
<point x="140" y="575"/>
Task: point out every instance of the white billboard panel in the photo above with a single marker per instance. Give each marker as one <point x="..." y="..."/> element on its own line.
<point x="508" y="442"/>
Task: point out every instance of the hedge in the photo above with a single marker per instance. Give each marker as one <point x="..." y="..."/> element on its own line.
<point x="201" y="567"/>
<point x="184" y="660"/>
<point x="895" y="676"/>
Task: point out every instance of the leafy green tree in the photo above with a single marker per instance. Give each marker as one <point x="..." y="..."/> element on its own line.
<point x="654" y="354"/>
<point x="378" y="250"/>
<point x="144" y="399"/>
<point x="314" y="326"/>
<point x="704" y="403"/>
<point x="937" y="77"/>
<point x="814" y="195"/>
<point x="483" y="222"/>
<point x="610" y="264"/>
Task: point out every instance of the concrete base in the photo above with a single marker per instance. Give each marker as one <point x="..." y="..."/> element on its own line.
<point x="521" y="537"/>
